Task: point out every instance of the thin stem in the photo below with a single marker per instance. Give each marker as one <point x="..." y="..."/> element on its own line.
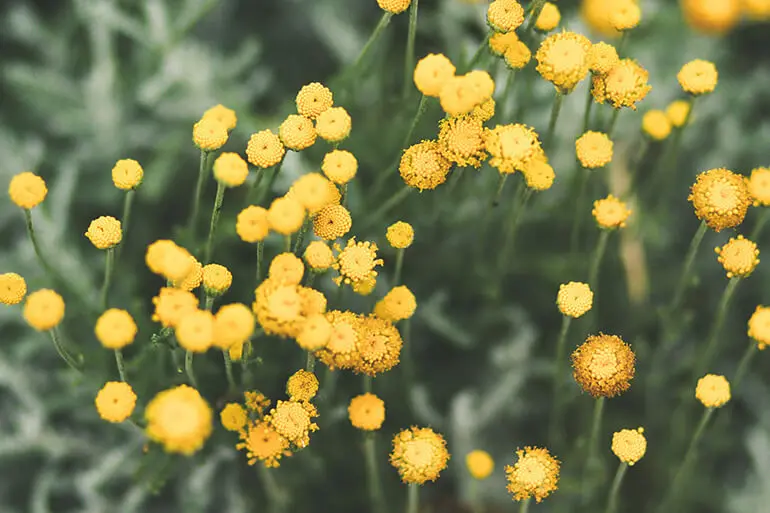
<point x="214" y="221"/>
<point x="558" y="379"/>
<point x="310" y="362"/>
<point x="555" y="110"/>
<point x="596" y="260"/>
<point x="510" y="236"/>
<point x="743" y="366"/>
<point x="287" y="243"/>
<point x="505" y="100"/>
<point x="413" y="498"/>
<point x="537" y="7"/>
<point x="188" y="368"/>
<point x="202" y="171"/>
<point x="612" y="502"/>
<point x="716" y="328"/>
<point x="52" y="275"/>
<point x="301" y="235"/>
<point x="255" y="186"/>
<point x="121" y="365"/>
<point x="688" y="263"/>
<point x="384" y="20"/>
<point x="417" y="116"/>
<point x="577" y="220"/>
<point x="260" y="257"/>
<point x="593" y="441"/>
<point x="277" y="499"/>
<point x="387" y="205"/>
<point x="633" y="174"/>
<point x="622" y="43"/>
<point x="65" y="355"/>
<point x="374" y="482"/>
<point x="399" y="266"/>
<point x="479" y="53"/>
<point x="763" y="219"/>
<point x="499" y="191"/>
<point x="209" y="304"/>
<point x="587" y="110"/>
<point x="128" y="202"/>
<point x="524" y="506"/>
<point x="409" y="57"/>
<point x="367" y="381"/>
<point x="109" y="260"/>
<point x="232" y="388"/>
<point x="269" y="186"/>
<point x="613" y="122"/>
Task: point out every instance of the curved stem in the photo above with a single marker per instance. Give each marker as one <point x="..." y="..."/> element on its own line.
<point x="374" y="482"/>
<point x="387" y="205"/>
<point x="596" y="261"/>
<point x="260" y="257"/>
<point x="587" y="111"/>
<point x="537" y="7"/>
<point x="524" y="507"/>
<point x="479" y="53"/>
<point x="577" y="220"/>
<point x="199" y="186"/>
<point x="128" y="202"/>
<point x="399" y="266"/>
<point x="232" y="388"/>
<point x="413" y="498"/>
<point x="214" y="221"/>
<point x="263" y="192"/>
<point x="713" y="341"/>
<point x="558" y="379"/>
<point x="188" y="368"/>
<point x="120" y="364"/>
<point x="108" y="268"/>
<point x="499" y="190"/>
<point x="555" y="110"/>
<point x="384" y="20"/>
<point x="688" y="263"/>
<point x="743" y="366"/>
<point x="255" y="186"/>
<point x="593" y="441"/>
<point x="510" y="235"/>
<point x="65" y="355"/>
<point x="763" y="219"/>
<point x="52" y="274"/>
<point x="612" y="502"/>
<point x="409" y="57"/>
<point x="613" y="122"/>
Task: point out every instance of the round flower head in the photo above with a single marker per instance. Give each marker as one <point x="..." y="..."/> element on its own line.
<point x="13" y="288"/>
<point x="562" y="59"/>
<point x="400" y="235"/>
<point x="332" y="222"/>
<point x="115" y="401"/>
<point x="209" y="134"/>
<point x="629" y="445"/>
<point x="625" y="84"/>
<point x="216" y="279"/>
<point x="379" y="346"/>
<point x="505" y="15"/>
<point x="233" y="325"/>
<point x="356" y="261"/>
<point x="397" y="305"/>
<point x="287" y="268"/>
<point x="482" y="84"/>
<point x="625" y="15"/>
<point x="610" y="213"/>
<point x="263" y="443"/>
<point x="480" y="464"/>
<point x="394" y="6"/>
<point x="27" y="190"/>
<point x="512" y="147"/>
<point x="739" y="257"/>
<point x="115" y="329"/>
<point x="315" y="333"/>
<point x="461" y="140"/>
<point x="574" y="299"/>
<point x="265" y="149"/>
<point x="535" y="474"/>
<point x="712" y="16"/>
<point x="713" y="391"/>
<point x="339" y="166"/>
<point x="252" y="225"/>
<point x="677" y="112"/>
<point x="127" y="174"/>
<point x="341" y="349"/>
<point x="319" y="256"/>
<point x="312" y="191"/>
<point x="230" y="169"/>
<point x="432" y="72"/>
<point x="595" y="13"/>
<point x="282" y="308"/>
<point x="499" y="42"/>
<point x="604" y="365"/>
<point x="517" y="55"/>
<point x="179" y="419"/>
<point x="366" y="412"/>
<point x="44" y="309"/>
<point x="104" y="232"/>
<point x="293" y="421"/>
<point x="222" y="115"/>
<point x="594" y="149"/>
<point x="538" y="174"/>
<point x="302" y="386"/>
<point x="297" y="132"/>
<point x="172" y="304"/>
<point x="313" y="99"/>
<point x="333" y="124"/>
<point x="549" y="18"/>
<point x="365" y="287"/>
<point x="759" y="326"/>
<point x="458" y="95"/>
<point x="195" y="331"/>
<point x="721" y="198"/>
<point x="698" y="77"/>
<point x="175" y="263"/>
<point x="194" y="277"/>
<point x="484" y="111"/>
<point x="602" y="57"/>
<point x="233" y="417"/>
<point x="423" y="166"/>
<point x="656" y="124"/>
<point x="419" y="454"/>
<point x="758" y="10"/>
<point x="759" y="186"/>
<point x="285" y="215"/>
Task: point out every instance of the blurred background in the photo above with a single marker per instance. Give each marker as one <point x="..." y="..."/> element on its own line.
<point x="84" y="83"/>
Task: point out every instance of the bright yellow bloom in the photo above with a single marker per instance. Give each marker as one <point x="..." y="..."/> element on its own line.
<point x="341" y="349"/>
<point x="574" y="299"/>
<point x="115" y="329"/>
<point x="625" y="15"/>
<point x="179" y="419"/>
<point x="394" y="6"/>
<point x="302" y="386"/>
<point x="366" y="412"/>
<point x="759" y="186"/>
<point x="400" y="235"/>
<point x="423" y="166"/>
<point x="233" y="325"/>
<point x="286" y="268"/>
<point x="209" y="134"/>
<point x="713" y="391"/>
<point x="595" y="13"/>
<point x="625" y="85"/>
<point x="44" y="309"/>
<point x="293" y="421"/>
<point x="594" y="149"/>
<point x="758" y="10"/>
<point x="332" y="222"/>
<point x="602" y="57"/>
<point x="419" y="455"/>
<point x="285" y="215"/>
<point x="484" y="111"/>
<point x="172" y="304"/>
<point x="176" y="263"/>
<point x="698" y="77"/>
<point x="233" y="417"/>
<point x="712" y="16"/>
<point x="282" y="309"/>
<point x="721" y="198"/>
<point x="313" y="99"/>
<point x="156" y="253"/>
<point x="313" y="191"/>
<point x="315" y="333"/>
<point x="677" y="111"/>
<point x="252" y="225"/>
<point x="365" y="287"/>
<point x="499" y="42"/>
<point x="538" y="174"/>
<point x="610" y="213"/>
<point x="549" y="18"/>
<point x="479" y="463"/>
<point x="216" y="279"/>
<point x="459" y="96"/>
<point x="13" y="288"/>
<point x="656" y="124"/>
<point x="195" y="331"/>
<point x="379" y="346"/>
<point x="604" y="365"/>
<point x="115" y="401"/>
<point x="319" y="256"/>
<point x="505" y="15"/>
<point x="333" y="124"/>
<point x="194" y="277"/>
<point x="265" y="149"/>
<point x="356" y="261"/>
<point x="397" y="305"/>
<point x="339" y="166"/>
<point x="256" y="402"/>
<point x="461" y="140"/>
<point x="230" y="169"/>
<point x="222" y="115"/>
<point x="127" y="174"/>
<point x="104" y="232"/>
<point x="759" y="326"/>
<point x="629" y="445"/>
<point x="432" y="72"/>
<point x="535" y="474"/>
<point x="512" y="146"/>
<point x="739" y="257"/>
<point x="263" y="443"/>
<point x="562" y="59"/>
<point x="297" y="132"/>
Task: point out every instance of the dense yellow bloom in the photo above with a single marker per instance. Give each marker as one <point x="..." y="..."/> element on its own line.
<point x="759" y="186"/>
<point x="535" y="474"/>
<point x="104" y="232"/>
<point x="610" y="212"/>
<point x="397" y="305"/>
<point x="263" y="443"/>
<point x="677" y="111"/>
<point x="366" y="412"/>
<point x="195" y="331"/>
<point x="656" y="124"/>
<point x="739" y="257"/>
<point x="713" y="391"/>
<point x="127" y="174"/>
<point x="721" y="198"/>
<point x="379" y="346"/>
<point x="419" y="454"/>
<point x="505" y="15"/>
<point x="356" y="261"/>
<point x="179" y="419"/>
<point x="293" y="421"/>
<point x="562" y="59"/>
<point x="698" y="77"/>
<point x="394" y="6"/>
<point x="282" y="309"/>
<point x="423" y="166"/>
<point x="432" y="72"/>
<point x="297" y="132"/>
<point x="625" y="15"/>
<point x="285" y="215"/>
<point x="594" y="149"/>
<point x="365" y="287"/>
<point x="315" y="333"/>
<point x="156" y="253"/>
<point x="332" y="222"/>
<point x="549" y="18"/>
<point x="758" y="10"/>
<point x="209" y="134"/>
<point x="461" y="140"/>
<point x="339" y="166"/>
<point x="265" y="149"/>
<point x="629" y="445"/>
<point x="313" y="191"/>
<point x="596" y="15"/>
<point x="480" y="464"/>
<point x="233" y="325"/>
<point x="458" y="96"/>
<point x="482" y="84"/>
<point x="602" y="57"/>
<point x="223" y="115"/>
<point x="484" y="111"/>
<point x="604" y="365"/>
<point x="233" y="417"/>
<point x="538" y="174"/>
<point x="574" y="299"/>
<point x="759" y="326"/>
<point x="44" y="309"/>
<point x="216" y="279"/>
<point x="115" y="401"/>
<point x="499" y="42"/>
<point x="172" y="304"/>
<point x="511" y="146"/>
<point x="252" y="225"/>
<point x="176" y="263"/>
<point x="194" y="277"/>
<point x="287" y="268"/>
<point x="400" y="235"/>
<point x="302" y="386"/>
<point x="115" y="328"/>
<point x="13" y="288"/>
<point x="712" y="16"/>
<point x="256" y="402"/>
<point x="333" y="124"/>
<point x="319" y="256"/>
<point x="313" y="99"/>
<point x="230" y="169"/>
<point x="341" y="349"/>
<point x="625" y="85"/>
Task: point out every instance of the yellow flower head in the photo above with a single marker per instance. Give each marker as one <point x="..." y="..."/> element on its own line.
<point x="319" y="256"/>
<point x="287" y="268"/>
<point x="562" y="59"/>
<point x="604" y="365"/>
<point x="400" y="235"/>
<point x="574" y="299"/>
<point x="677" y="111"/>
<point x="194" y="277"/>
<point x="505" y="15"/>
<point x="179" y="419"/>
<point x="172" y="304"/>
<point x="333" y="124"/>
<point x="175" y="263"/>
<point x="13" y="288"/>
<point x="156" y="253"/>
<point x="104" y="232"/>
<point x="282" y="309"/>
<point x="499" y="42"/>
<point x="195" y="331"/>
<point x="739" y="257"/>
<point x="549" y="18"/>
<point x="366" y="287"/>
<point x="366" y="412"/>
<point x="629" y="445"/>
<point x="265" y="149"/>
<point x="285" y="215"/>
<point x="482" y="84"/>
<point x="423" y="166"/>
<point x="595" y="13"/>
<point x="313" y="191"/>
<point x="484" y="111"/>
<point x="44" y="309"/>
<point x="313" y="99"/>
<point x="209" y="134"/>
<point x="625" y="15"/>
<point x="315" y="333"/>
<point x="293" y="421"/>
<point x="115" y="329"/>
<point x="222" y="115"/>
<point x="115" y="401"/>
<point x="461" y="140"/>
<point x="610" y="213"/>
<point x="216" y="279"/>
<point x="379" y="346"/>
<point x="252" y="225"/>
<point x="511" y="146"/>
<point x="594" y="149"/>
<point x="757" y="10"/>
<point x="759" y="186"/>
<point x="432" y="72"/>
<point x="656" y="124"/>
<point x="127" y="174"/>
<point x="233" y="417"/>
<point x="230" y="169"/>
<point x="302" y="386"/>
<point x="721" y="198"/>
<point x="713" y="391"/>
<point x="602" y="57"/>
<point x="539" y="174"/>
<point x="339" y="166"/>
<point x="759" y="326"/>
<point x="459" y="96"/>
<point x="698" y="77"/>
<point x="625" y="84"/>
<point x="233" y="325"/>
<point x="356" y="261"/>
<point x="263" y="443"/>
<point x="535" y="474"/>
<point x="480" y="464"/>
<point x="341" y="349"/>
<point x="397" y="305"/>
<point x="256" y="402"/>
<point x="297" y="132"/>
<point x="419" y="454"/>
<point x="712" y="16"/>
<point x="332" y="222"/>
<point x="394" y="6"/>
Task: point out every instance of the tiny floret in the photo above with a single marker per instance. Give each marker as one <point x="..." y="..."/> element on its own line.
<point x="535" y="474"/>
<point x="297" y="132"/>
<point x="115" y="329"/>
<point x="366" y="412"/>
<point x="610" y="213"/>
<point x="759" y="326"/>
<point x="230" y="169"/>
<point x="27" y="190"/>
<point x="339" y="166"/>
<point x="127" y="174"/>
<point x="400" y="235"/>
<point x="721" y="198"/>
<point x="233" y="417"/>
<point x="209" y="134"/>
<point x="423" y="166"/>
<point x="629" y="445"/>
<point x="333" y="124"/>
<point x="104" y="232"/>
<point x="505" y="15"/>
<point x="179" y="419"/>
<point x="115" y="401"/>
<point x="432" y="72"/>
<point x="739" y="257"/>
<point x="713" y="391"/>
<point x="44" y="309"/>
<point x="332" y="222"/>
<point x="677" y="112"/>
<point x="759" y="186"/>
<point x="286" y="268"/>
<point x="302" y="386"/>
<point x="394" y="6"/>
<point x="285" y="215"/>
<point x="356" y="261"/>
<point x="698" y="77"/>
<point x="419" y="455"/>
<point x="252" y="225"/>
<point x="656" y="124"/>
<point x="594" y="149"/>
<point x="549" y="18"/>
<point x="216" y="279"/>
<point x="604" y="365"/>
<point x="223" y="115"/>
<point x="265" y="149"/>
<point x="13" y="288"/>
<point x="574" y="299"/>
<point x="313" y="99"/>
<point x="319" y="256"/>
<point x="562" y="59"/>
<point x="625" y="15"/>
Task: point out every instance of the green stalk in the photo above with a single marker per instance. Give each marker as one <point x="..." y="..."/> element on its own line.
<point x="255" y="187"/>
<point x="374" y="482"/>
<point x="128" y="202"/>
<point x="260" y="257"/>
<point x="577" y="220"/>
<point x="384" y="21"/>
<point x="596" y="261"/>
<point x="310" y="362"/>
<point x="386" y="206"/>
<point x="760" y="224"/>
<point x="413" y="498"/>
<point x="269" y="186"/>
<point x="636" y="164"/>
<point x="587" y="111"/>
<point x="108" y="268"/>
<point x="612" y="502"/>
<point x="688" y="263"/>
<point x="524" y="506"/>
<point x="537" y="7"/>
<point x="613" y="122"/>
<point x="483" y="48"/>
<point x="287" y="243"/>
<point x="558" y="379"/>
<point x="399" y="265"/>
<point x="188" y="368"/>
<point x="232" y="388"/>
<point x="743" y="366"/>
<point x="52" y="274"/>
<point x="214" y="220"/>
<point x="716" y="328"/>
<point x="671" y="156"/>
<point x="276" y="498"/>
<point x="555" y="110"/>
<point x="203" y="169"/>
<point x="505" y="100"/>
<point x="65" y="355"/>
<point x="510" y="234"/>
<point x="622" y="43"/>
<point x="301" y="236"/>
<point x="367" y="384"/>
<point x="409" y="58"/>
<point x="499" y="190"/>
<point x="120" y="364"/>
<point x="593" y="440"/>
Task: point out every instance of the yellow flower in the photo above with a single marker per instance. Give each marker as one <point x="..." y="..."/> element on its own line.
<point x="721" y="198"/>
<point x="562" y="59"/>
<point x="339" y="166"/>
<point x="604" y="365"/>
<point x="172" y="304"/>
<point x="293" y="421"/>
<point x="319" y="256"/>
<point x="629" y="445"/>
<point x="461" y="140"/>
<point x="698" y="77"/>
<point x="44" y="309"/>
<point x="263" y="443"/>
<point x="222" y="115"/>
<point x="538" y="174"/>
<point x="596" y="15"/>
<point x="484" y="111"/>
<point x="233" y="325"/>
<point x="179" y="419"/>
<point x="27" y="190"/>
<point x="655" y="124"/>
<point x="419" y="454"/>
<point x="115" y="401"/>
<point x="286" y="268"/>
<point x="535" y="474"/>
<point x="332" y="222"/>
<point x="739" y="257"/>
<point x="549" y="18"/>
<point x="505" y="15"/>
<point x="313" y="191"/>
<point x="400" y="235"/>
<point x="175" y="262"/>
<point x="315" y="333"/>
<point x="216" y="279"/>
<point x="574" y="299"/>
<point x="479" y="463"/>
<point x="195" y="331"/>
<point x="625" y="15"/>
<point x="115" y="329"/>
<point x="127" y="174"/>
<point x="366" y="287"/>
<point x="758" y="10"/>
<point x="13" y="288"/>
<point x="759" y="326"/>
<point x="285" y="215"/>
<point x="341" y="349"/>
<point x="156" y="253"/>
<point x="297" y="132"/>
<point x="233" y="417"/>
<point x="394" y="6"/>
<point x="677" y="111"/>
<point x="282" y="309"/>
<point x="302" y="386"/>
<point x="194" y="277"/>
<point x="230" y="169"/>
<point x="313" y="99"/>
<point x="594" y="149"/>
<point x="356" y="261"/>
<point x="104" y="232"/>
<point x="265" y="149"/>
<point x="432" y="72"/>
<point x="379" y="346"/>
<point x="397" y="305"/>
<point x="759" y="186"/>
<point x="500" y="42"/>
<point x="610" y="213"/>
<point x="209" y="134"/>
<point x="458" y="95"/>
<point x="333" y="124"/>
<point x="423" y="166"/>
<point x="511" y="146"/>
<point x="602" y="57"/>
<point x="366" y="412"/>
<point x="713" y="391"/>
<point x="252" y="225"/>
<point x="256" y="402"/>
<point x="712" y="16"/>
<point x="625" y="84"/>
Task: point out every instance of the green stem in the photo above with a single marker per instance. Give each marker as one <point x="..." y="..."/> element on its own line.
<point x="367" y="380"/>
<point x="596" y="260"/>
<point x="399" y="265"/>
<point x="409" y="57"/>
<point x="622" y="43"/>
<point x="593" y="440"/>
<point x="232" y="388"/>
<point x="483" y="48"/>
<point x="636" y="164"/>
<point x="743" y="366"/>
<point x="276" y="498"/>
<point x="384" y="21"/>
<point x="524" y="506"/>
<point x="386" y="206"/>
<point x="209" y="304"/>
<point x="537" y="7"/>
<point x="587" y="111"/>
<point x="499" y="190"/>
<point x="558" y="379"/>
<point x="108" y="268"/>
<point x="716" y="328"/>
<point x="555" y="110"/>
<point x="65" y="355"/>
<point x="413" y="498"/>
<point x="202" y="171"/>
<point x="301" y="236"/>
<point x="510" y="234"/>
<point x="188" y="368"/>
<point x="128" y="202"/>
<point x="688" y="264"/>
<point x="52" y="275"/>
<point x="310" y="362"/>
<point x="374" y="482"/>
<point x="263" y="193"/>
<point x="613" y="122"/>
<point x="287" y="243"/>
<point x="255" y="186"/>
<point x="260" y="257"/>
<point x="505" y="100"/>
<point x="612" y="502"/>
<point x="577" y="220"/>
<point x="763" y="219"/>
<point x="214" y="221"/>
<point x="121" y="365"/>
